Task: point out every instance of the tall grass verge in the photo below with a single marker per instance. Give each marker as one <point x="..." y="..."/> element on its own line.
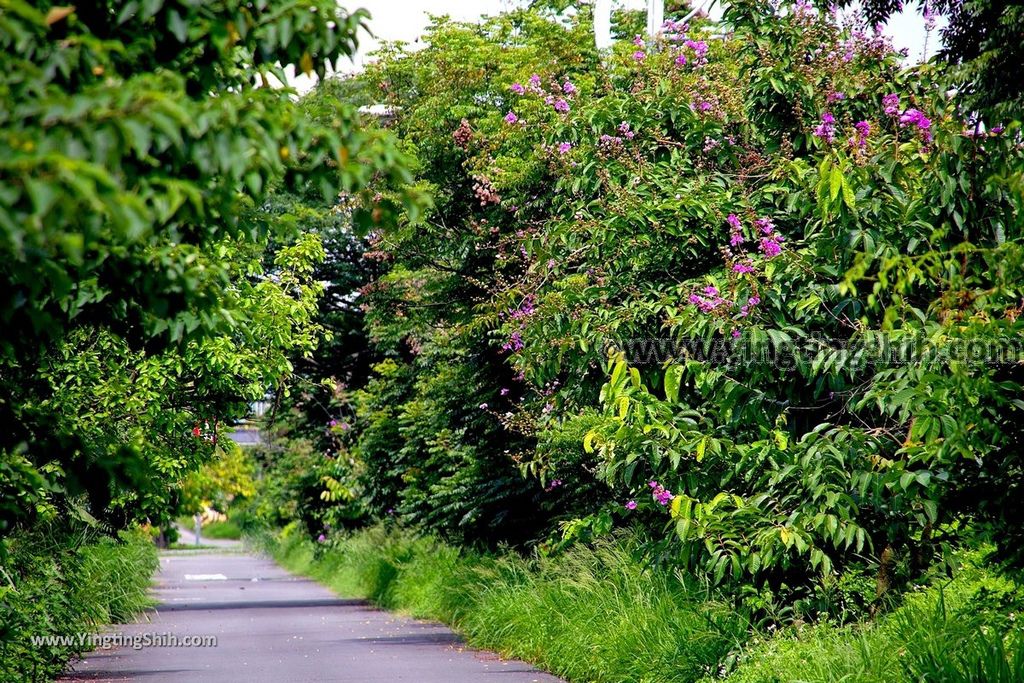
<point x="960" y="630"/>
<point x="592" y="614"/>
<point x="598" y="614"/>
<point x="60" y="585"/>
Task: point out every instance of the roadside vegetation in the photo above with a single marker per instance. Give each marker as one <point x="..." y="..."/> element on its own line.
<point x="672" y="381"/>
<point x="604" y="613"/>
<point x="56" y="585"/>
<point x="151" y="284"/>
<point x="696" y="358"/>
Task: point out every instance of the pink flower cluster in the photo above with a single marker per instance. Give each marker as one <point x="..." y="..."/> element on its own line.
<point x="826" y="130"/>
<point x="735" y="230"/>
<point x="554" y="98"/>
<point x="711" y="301"/>
<point x="525" y="310"/>
<point x="913" y="117"/>
<point x="891" y="104"/>
<point x="771" y="240"/>
<point x="661" y="495"/>
<point x="862" y="130"/>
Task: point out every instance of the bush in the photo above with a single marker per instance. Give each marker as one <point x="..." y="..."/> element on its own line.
<point x="55" y="587"/>
<point x="952" y="630"/>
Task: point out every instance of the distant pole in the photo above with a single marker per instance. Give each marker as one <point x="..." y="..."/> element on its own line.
<point x="602" y="24"/>
<point x="199" y="527"/>
<point x="655" y="17"/>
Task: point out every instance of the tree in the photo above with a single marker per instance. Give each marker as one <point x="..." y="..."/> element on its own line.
<point x="141" y="312"/>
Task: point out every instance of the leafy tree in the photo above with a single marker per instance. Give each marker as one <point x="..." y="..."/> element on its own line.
<point x="141" y="310"/>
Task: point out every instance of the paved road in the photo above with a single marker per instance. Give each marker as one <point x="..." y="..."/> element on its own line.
<point x="277" y="628"/>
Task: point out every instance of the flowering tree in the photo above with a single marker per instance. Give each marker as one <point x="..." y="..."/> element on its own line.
<point x="718" y="286"/>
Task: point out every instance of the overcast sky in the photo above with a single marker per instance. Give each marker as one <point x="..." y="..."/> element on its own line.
<point x="406" y="19"/>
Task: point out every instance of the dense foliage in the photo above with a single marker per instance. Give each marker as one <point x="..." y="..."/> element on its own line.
<point x="157" y="272"/>
<point x="726" y="284"/>
<point x="67" y="588"/>
<point x="151" y="291"/>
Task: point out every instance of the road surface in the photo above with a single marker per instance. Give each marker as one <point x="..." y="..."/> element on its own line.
<point x="274" y="627"/>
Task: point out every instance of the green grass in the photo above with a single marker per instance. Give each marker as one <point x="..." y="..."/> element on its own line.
<point x="957" y="630"/>
<point x="597" y="614"/>
<point x="56" y="585"/>
<point x="226" y="530"/>
<point x="593" y="614"/>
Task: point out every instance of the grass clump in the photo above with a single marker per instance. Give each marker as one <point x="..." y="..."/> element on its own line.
<point x="225" y="530"/>
<point x="955" y="630"/>
<point x="58" y="584"/>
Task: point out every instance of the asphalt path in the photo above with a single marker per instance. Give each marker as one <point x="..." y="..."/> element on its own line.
<point x="273" y="627"/>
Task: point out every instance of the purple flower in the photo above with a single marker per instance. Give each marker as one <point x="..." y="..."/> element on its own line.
<point x="770" y="247"/>
<point x="564" y="147"/>
<point x="660" y="494"/>
<point x="511" y="118"/>
<point x="535" y="80"/>
<point x="835" y="97"/>
<point x="680" y="59"/>
<point x="504" y="391"/>
<point x="735" y="334"/>
<point x="699" y="47"/>
<point x="332" y="423"/>
<point x="631" y="505"/>
<point x="735" y="229"/>
<point x="826" y="130"/>
<point x="743" y="268"/>
<point x="321" y="538"/>
<point x="639" y="55"/>
<point x="754" y="300"/>
<point x="891" y="104"/>
<point x="568" y="88"/>
<point x="561" y="106"/>
<point x="709" y="303"/>
<point x="765" y="225"/>
<point x="514" y="343"/>
<point x="626" y="132"/>
<point x="930" y="17"/>
<point x="863" y="129"/>
<point x="483" y="406"/>
<point x="517" y="88"/>
<point x="638" y="40"/>
<point x="917" y="118"/>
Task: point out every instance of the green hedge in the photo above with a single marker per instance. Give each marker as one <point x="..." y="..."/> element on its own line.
<point x="55" y="585"/>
